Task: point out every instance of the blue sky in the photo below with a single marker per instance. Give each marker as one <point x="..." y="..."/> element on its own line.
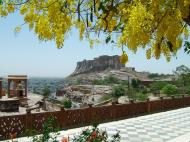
<point x="25" y="54"/>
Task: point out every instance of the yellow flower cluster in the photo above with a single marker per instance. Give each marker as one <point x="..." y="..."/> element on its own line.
<point x="49" y="19"/>
<point x="123" y="58"/>
<point x="81" y="27"/>
<point x="158" y="25"/>
<point x="137" y="27"/>
<point x="10" y="8"/>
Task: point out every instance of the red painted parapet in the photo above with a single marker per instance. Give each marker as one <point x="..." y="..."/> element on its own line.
<point x="68" y="118"/>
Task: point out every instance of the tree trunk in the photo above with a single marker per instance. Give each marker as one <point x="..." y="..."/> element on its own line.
<point x="187" y="19"/>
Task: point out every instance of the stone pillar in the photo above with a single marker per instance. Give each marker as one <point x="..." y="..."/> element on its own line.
<point x="15" y="88"/>
<point x="26" y="88"/>
<point x="8" y="88"/>
<point x="128" y="82"/>
<point x="0" y="89"/>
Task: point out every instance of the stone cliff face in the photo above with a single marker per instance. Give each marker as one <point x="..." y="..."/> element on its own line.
<point x="98" y="64"/>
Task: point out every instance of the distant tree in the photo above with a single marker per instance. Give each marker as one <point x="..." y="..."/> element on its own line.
<point x="125" y="82"/>
<point x="118" y="91"/>
<point x="106" y="81"/>
<point x="67" y="103"/>
<point x="181" y="70"/>
<point x="141" y="96"/>
<point x="98" y="82"/>
<point x="182" y="74"/>
<point x="111" y="80"/>
<point x="46" y="92"/>
<point x="35" y="90"/>
<point x="153" y="75"/>
<point x="135" y="83"/>
<point x="135" y="95"/>
<point x="188" y="90"/>
<point x="157" y="86"/>
<point x="169" y="90"/>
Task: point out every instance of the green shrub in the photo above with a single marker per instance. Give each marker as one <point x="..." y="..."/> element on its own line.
<point x="118" y="91"/>
<point x="188" y="90"/>
<point x="169" y="90"/>
<point x="49" y="132"/>
<point x="144" y="90"/>
<point x="157" y="86"/>
<point x="135" y="83"/>
<point x="153" y="75"/>
<point x="107" y="80"/>
<point x="141" y="97"/>
<point x="67" y="103"/>
<point x="46" y="92"/>
<point x="135" y="95"/>
<point x="98" y="82"/>
<point x="124" y="82"/>
<point x="131" y="93"/>
<point x="111" y="80"/>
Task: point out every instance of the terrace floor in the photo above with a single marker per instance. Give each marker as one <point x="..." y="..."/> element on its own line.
<point x="32" y="99"/>
<point x="170" y="126"/>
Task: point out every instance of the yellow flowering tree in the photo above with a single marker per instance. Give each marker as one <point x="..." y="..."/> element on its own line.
<point x="158" y="26"/>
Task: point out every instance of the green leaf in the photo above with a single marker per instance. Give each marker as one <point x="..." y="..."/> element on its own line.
<point x="108" y="39"/>
<point x="102" y="7"/>
<point x="187" y="47"/>
<point x="112" y="41"/>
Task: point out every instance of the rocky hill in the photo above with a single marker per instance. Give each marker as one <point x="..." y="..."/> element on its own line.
<point x="98" y="64"/>
<point x="88" y="70"/>
<point x="83" y="89"/>
<point x="124" y="73"/>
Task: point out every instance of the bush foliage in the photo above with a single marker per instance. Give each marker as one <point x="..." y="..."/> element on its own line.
<point x="135" y="83"/>
<point x="118" y="91"/>
<point x="46" y="92"/>
<point x="169" y="90"/>
<point x="157" y="86"/>
<point x="135" y="95"/>
<point x="188" y="90"/>
<point x="107" y="80"/>
<point x="67" y="103"/>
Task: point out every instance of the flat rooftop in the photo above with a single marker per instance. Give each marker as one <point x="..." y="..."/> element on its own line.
<point x="22" y="77"/>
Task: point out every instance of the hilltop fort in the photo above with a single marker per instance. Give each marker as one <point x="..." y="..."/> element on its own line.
<point x="98" y="64"/>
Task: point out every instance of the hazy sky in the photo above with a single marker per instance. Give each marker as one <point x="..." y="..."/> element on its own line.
<point x="25" y="54"/>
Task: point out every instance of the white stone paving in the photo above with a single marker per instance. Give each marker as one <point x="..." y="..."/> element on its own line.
<point x="170" y="126"/>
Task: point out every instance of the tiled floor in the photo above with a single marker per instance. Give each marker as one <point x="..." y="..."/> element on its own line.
<point x="161" y="127"/>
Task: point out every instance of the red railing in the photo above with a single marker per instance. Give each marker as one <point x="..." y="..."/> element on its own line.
<point x="68" y="118"/>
